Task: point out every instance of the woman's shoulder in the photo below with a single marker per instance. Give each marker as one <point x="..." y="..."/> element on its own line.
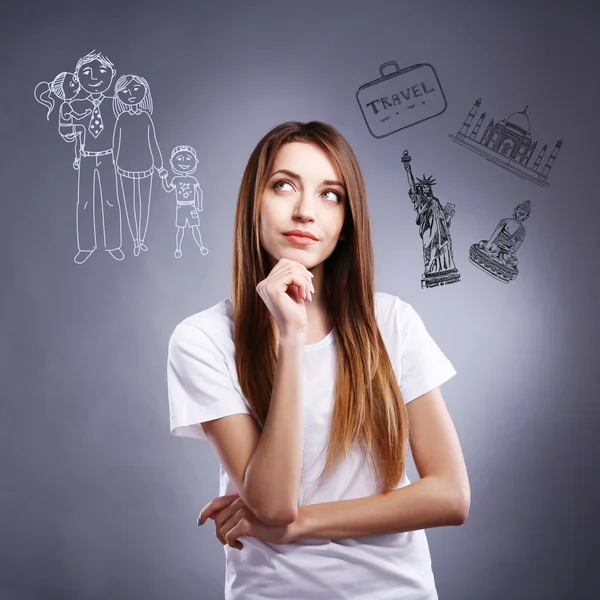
<point x="214" y="322"/>
<point x="395" y="313"/>
<point x="389" y="303"/>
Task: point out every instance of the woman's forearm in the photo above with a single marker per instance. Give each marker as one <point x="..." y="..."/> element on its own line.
<point x="426" y="503"/>
<point x="272" y="480"/>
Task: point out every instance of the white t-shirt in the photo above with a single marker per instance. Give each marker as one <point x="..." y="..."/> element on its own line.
<point x="203" y="385"/>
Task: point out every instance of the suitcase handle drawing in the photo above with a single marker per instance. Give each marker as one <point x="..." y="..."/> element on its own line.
<point x="400" y="98"/>
<point x="389" y="63"/>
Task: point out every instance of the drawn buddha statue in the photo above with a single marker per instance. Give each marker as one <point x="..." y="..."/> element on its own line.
<point x="497" y="255"/>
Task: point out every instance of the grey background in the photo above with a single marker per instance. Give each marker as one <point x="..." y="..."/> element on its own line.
<point x="97" y="500"/>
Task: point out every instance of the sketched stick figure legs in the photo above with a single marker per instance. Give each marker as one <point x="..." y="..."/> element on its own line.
<point x="97" y="193"/>
<point x="195" y="232"/>
<point x="189" y="195"/>
<point x="136" y="194"/>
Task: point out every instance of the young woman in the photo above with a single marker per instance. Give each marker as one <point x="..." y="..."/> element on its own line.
<point x="310" y="386"/>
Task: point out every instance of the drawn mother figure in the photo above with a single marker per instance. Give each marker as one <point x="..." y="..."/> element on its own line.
<point x="136" y="153"/>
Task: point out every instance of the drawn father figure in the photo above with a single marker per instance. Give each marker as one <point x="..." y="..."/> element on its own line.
<point x="97" y="200"/>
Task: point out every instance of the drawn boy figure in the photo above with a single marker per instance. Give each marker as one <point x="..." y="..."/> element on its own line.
<point x="189" y="195"/>
<point x="97" y="178"/>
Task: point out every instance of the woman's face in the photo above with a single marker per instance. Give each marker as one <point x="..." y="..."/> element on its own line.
<point x="304" y="191"/>
<point x="133" y="93"/>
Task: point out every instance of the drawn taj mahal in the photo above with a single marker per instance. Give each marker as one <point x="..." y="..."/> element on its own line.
<point x="507" y="143"/>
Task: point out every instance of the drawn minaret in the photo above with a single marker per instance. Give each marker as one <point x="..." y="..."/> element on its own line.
<point x="469" y="119"/>
<point x="538" y="160"/>
<point x="551" y="160"/>
<point x="530" y="153"/>
<point x="488" y="132"/>
<point x="477" y="126"/>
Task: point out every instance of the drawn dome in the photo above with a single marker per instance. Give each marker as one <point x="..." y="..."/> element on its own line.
<point x="519" y="122"/>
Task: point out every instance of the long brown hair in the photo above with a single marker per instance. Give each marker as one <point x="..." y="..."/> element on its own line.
<point x="368" y="407"/>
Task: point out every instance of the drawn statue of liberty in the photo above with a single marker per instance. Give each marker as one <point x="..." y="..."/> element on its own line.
<point x="497" y="256"/>
<point x="434" y="228"/>
<point x="65" y="86"/>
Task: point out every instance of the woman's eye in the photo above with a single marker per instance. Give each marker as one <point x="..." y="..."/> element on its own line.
<point x="337" y="196"/>
<point x="280" y="183"/>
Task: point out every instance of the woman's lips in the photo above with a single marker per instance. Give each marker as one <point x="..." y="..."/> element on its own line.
<point x="300" y="240"/>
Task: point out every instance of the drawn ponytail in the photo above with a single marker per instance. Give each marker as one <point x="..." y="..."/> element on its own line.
<point x="44" y="90"/>
<point x="42" y="94"/>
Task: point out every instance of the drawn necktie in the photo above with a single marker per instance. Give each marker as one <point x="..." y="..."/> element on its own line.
<point x="96" y="126"/>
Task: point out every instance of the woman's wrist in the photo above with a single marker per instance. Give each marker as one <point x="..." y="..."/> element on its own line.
<point x="300" y="527"/>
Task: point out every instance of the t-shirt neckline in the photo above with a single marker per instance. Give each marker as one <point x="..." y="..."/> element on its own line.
<point x="308" y="348"/>
<point x="328" y="339"/>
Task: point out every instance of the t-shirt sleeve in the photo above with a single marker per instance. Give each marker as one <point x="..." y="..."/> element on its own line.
<point x="424" y="366"/>
<point x="200" y="386"/>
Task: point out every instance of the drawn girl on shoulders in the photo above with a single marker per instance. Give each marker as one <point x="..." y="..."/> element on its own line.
<point x="64" y="86"/>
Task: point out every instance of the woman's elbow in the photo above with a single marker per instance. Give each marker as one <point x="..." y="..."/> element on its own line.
<point x="281" y="519"/>
<point x="462" y="504"/>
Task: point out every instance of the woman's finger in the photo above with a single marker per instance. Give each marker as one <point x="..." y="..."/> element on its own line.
<point x="226" y="513"/>
<point x="215" y="506"/>
<point x="219" y="534"/>
<point x="231" y="537"/>
<point x="232" y="517"/>
<point x="232" y="524"/>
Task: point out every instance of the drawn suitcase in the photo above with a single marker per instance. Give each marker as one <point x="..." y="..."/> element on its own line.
<point x="401" y="98"/>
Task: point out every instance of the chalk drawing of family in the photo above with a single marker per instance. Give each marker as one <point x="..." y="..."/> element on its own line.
<point x="116" y="151"/>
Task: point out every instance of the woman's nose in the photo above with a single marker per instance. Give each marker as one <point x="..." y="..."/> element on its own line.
<point x="306" y="204"/>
